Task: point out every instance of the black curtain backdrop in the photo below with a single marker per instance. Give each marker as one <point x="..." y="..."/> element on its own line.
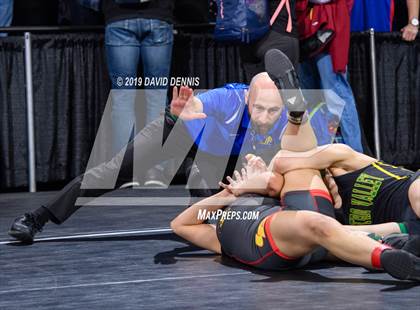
<point x="398" y="79"/>
<point x="71" y="87"/>
<point x="12" y="114"/>
<point x="360" y="80"/>
<point x="198" y="55"/>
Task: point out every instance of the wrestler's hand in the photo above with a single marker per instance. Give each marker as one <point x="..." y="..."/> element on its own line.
<point x="236" y="184"/>
<point x="409" y="32"/>
<point x="255" y="165"/>
<point x="185" y="106"/>
<point x="332" y="187"/>
<point x="253" y="178"/>
<point x="261" y="179"/>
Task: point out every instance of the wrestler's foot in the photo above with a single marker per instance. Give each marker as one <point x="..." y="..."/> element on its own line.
<point x="406" y="242"/>
<point x="283" y="74"/>
<point x="25" y="227"/>
<point x="401" y="264"/>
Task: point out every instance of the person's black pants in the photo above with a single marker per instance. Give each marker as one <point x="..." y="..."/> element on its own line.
<point x="148" y="151"/>
<point x="253" y="54"/>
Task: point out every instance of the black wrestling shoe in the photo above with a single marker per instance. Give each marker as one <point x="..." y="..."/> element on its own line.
<point x="406" y="242"/>
<point x="401" y="264"/>
<point x="25" y="227"/>
<point x="283" y="74"/>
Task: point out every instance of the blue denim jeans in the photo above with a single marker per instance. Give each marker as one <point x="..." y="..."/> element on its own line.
<point x="318" y="73"/>
<point x="127" y="42"/>
<point x="6" y="14"/>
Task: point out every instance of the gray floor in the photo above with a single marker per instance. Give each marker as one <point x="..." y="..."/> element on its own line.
<point x="139" y="270"/>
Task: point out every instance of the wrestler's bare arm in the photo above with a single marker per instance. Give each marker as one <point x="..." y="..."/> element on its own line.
<point x="379" y="229"/>
<point x="322" y="157"/>
<point x="189" y="226"/>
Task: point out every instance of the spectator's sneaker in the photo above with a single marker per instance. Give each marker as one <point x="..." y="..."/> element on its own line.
<point x="401" y="264"/>
<point x="283" y="74"/>
<point x="130" y="185"/>
<point x="156" y="179"/>
<point x="25" y="227"/>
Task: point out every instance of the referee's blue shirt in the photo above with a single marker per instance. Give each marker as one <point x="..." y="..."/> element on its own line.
<point x="227" y="130"/>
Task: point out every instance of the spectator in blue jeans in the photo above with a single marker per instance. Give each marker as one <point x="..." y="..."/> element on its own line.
<point x="152" y="43"/>
<point x="6" y="14"/>
<point x="318" y="73"/>
<point x="137" y="32"/>
<point x="328" y="68"/>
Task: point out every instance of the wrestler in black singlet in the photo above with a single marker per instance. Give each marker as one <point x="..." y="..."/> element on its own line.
<point x="249" y="241"/>
<point x="376" y="194"/>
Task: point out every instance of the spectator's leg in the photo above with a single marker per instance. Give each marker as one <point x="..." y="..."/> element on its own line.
<point x="287" y="44"/>
<point x="156" y="55"/>
<point x="337" y="82"/>
<point x="253" y="54"/>
<point x="6" y="14"/>
<point x="122" y="50"/>
<point x="308" y="75"/>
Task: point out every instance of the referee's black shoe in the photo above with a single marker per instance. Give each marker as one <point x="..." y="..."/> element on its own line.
<point x="25" y="227"/>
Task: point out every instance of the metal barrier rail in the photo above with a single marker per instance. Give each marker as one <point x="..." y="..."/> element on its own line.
<point x="30" y="113"/>
<point x="49" y="29"/>
<point x="376" y="128"/>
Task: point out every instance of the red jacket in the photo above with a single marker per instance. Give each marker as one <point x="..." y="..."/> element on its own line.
<point x="334" y="15"/>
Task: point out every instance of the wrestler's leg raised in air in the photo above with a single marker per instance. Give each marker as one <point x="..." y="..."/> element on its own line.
<point x="298" y="135"/>
<point x="298" y="138"/>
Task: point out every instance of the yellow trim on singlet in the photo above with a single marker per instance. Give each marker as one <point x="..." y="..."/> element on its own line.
<point x="260" y="235"/>
<point x="397" y="177"/>
<point x="314" y="110"/>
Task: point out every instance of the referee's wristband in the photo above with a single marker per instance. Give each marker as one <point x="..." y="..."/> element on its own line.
<point x="170" y="115"/>
<point x="173" y="117"/>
